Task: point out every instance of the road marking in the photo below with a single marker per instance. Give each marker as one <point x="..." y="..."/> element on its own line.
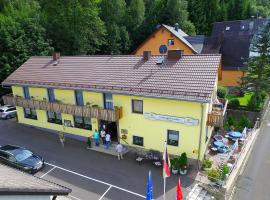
<point x="48" y="172"/>
<point x="105" y="192"/>
<point x="96" y="180"/>
<point x="74" y="197"/>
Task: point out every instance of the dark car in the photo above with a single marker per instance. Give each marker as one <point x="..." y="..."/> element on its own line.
<point x="21" y="158"/>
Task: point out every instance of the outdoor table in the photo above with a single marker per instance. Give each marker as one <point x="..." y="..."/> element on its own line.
<point x="218" y="144"/>
<point x="218" y="138"/>
<point x="235" y="134"/>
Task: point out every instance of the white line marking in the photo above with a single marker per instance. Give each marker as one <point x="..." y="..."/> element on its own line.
<point x="105" y="192"/>
<point x="48" y="172"/>
<point x="93" y="179"/>
<point x="74" y="197"/>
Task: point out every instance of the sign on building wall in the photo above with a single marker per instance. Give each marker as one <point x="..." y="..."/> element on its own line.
<point x="181" y="120"/>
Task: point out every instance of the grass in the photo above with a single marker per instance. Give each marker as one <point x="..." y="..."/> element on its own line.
<point x="243" y="100"/>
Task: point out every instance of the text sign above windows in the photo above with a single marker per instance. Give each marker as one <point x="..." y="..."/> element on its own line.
<point x="182" y="120"/>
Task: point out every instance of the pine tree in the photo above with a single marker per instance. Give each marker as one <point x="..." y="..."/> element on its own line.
<point x="257" y="78"/>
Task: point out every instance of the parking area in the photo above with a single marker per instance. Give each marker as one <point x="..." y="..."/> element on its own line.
<point x="90" y="174"/>
<point x="90" y="188"/>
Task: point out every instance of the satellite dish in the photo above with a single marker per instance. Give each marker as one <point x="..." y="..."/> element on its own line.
<point x="163" y="49"/>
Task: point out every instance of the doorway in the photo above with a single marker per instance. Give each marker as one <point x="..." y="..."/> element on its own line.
<point x="110" y="127"/>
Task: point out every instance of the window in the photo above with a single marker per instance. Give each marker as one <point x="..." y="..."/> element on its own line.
<point x="170" y="42"/>
<point x="227" y="28"/>
<point x="79" y="97"/>
<point x="206" y="134"/>
<point x="82" y="122"/>
<point x="173" y="137"/>
<point x="26" y="92"/>
<point x="138" y="140"/>
<point x="30" y="113"/>
<point x="3" y="155"/>
<point x="137" y="106"/>
<point x="51" y="95"/>
<point x="54" y="117"/>
<point x="10" y="109"/>
<point x="108" y="101"/>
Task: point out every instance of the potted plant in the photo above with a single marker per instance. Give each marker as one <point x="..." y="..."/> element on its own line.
<point x="207" y="164"/>
<point x="175" y="165"/>
<point x="213" y="175"/>
<point x="183" y="164"/>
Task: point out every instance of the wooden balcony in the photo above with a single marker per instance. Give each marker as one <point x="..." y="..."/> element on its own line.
<point x="217" y="115"/>
<point x="84" y="111"/>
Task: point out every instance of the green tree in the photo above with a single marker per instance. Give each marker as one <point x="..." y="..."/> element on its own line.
<point x="239" y="9"/>
<point x="21" y="35"/>
<point x="176" y="12"/>
<point x="117" y="38"/>
<point x="257" y="77"/>
<point x="74" y="26"/>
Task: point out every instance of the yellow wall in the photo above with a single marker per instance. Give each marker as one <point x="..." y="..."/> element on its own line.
<point x="231" y="78"/>
<point x="161" y="38"/>
<point x="154" y="132"/>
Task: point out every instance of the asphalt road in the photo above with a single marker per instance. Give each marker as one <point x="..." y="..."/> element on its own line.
<point x="90" y="174"/>
<point x="254" y="183"/>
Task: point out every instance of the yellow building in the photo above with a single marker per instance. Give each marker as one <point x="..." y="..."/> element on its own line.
<point x="142" y="100"/>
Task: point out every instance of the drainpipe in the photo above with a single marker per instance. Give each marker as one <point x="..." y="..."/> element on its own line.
<point x="200" y="138"/>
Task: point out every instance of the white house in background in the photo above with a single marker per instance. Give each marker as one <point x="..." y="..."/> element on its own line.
<point x="18" y="185"/>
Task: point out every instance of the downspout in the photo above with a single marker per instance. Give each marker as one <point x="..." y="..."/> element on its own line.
<point x="200" y="138"/>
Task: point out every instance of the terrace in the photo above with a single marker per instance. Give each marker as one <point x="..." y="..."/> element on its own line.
<point x="84" y="111"/>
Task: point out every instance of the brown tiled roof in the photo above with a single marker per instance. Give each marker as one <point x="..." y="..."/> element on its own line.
<point x="191" y="78"/>
<point x="15" y="182"/>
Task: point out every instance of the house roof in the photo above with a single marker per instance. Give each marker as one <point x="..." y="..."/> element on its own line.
<point x="196" y="41"/>
<point x="232" y="39"/>
<point x="190" y="78"/>
<point x="15" y="182"/>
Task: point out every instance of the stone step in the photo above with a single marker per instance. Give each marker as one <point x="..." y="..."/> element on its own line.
<point x="111" y="150"/>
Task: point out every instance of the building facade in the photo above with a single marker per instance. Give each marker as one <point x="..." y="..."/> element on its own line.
<point x="141" y="102"/>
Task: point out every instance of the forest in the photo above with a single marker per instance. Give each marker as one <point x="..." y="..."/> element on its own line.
<point x="86" y="27"/>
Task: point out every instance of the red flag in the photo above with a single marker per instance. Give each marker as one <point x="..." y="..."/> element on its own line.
<point x="166" y="163"/>
<point x="179" y="195"/>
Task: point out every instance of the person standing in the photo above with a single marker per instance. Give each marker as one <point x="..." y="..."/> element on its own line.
<point x="62" y="138"/>
<point x="119" y="149"/>
<point x="96" y="137"/>
<point x="103" y="135"/>
<point x="108" y="140"/>
<point x="89" y="144"/>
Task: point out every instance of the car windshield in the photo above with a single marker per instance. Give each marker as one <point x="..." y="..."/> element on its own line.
<point x="22" y="155"/>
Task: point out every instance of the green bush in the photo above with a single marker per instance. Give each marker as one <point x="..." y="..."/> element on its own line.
<point x="244" y="122"/>
<point x="224" y="171"/>
<point x="222" y="92"/>
<point x="183" y="161"/>
<point x="254" y="102"/>
<point x="213" y="175"/>
<point x="175" y="163"/>
<point x="234" y="103"/>
<point x="263" y="95"/>
<point x="207" y="163"/>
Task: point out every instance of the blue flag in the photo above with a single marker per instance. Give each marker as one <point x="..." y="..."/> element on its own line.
<point x="149" y="189"/>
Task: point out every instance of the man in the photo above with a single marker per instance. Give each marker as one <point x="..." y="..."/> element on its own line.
<point x="103" y="135"/>
<point x="108" y="140"/>
<point x="62" y="138"/>
<point x="119" y="149"/>
<point x="96" y="137"/>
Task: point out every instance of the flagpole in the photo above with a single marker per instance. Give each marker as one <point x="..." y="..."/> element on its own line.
<point x="164" y="188"/>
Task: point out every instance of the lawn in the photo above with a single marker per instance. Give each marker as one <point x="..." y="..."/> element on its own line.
<point x="243" y="100"/>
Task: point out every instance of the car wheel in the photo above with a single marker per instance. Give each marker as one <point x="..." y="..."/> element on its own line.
<point x="8" y="117"/>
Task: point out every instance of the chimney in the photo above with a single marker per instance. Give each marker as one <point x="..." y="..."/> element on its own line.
<point x="176" y="27"/>
<point x="146" y="55"/>
<point x="175" y="54"/>
<point x="56" y="56"/>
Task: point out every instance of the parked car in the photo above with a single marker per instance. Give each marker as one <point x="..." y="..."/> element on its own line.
<point x="21" y="158"/>
<point x="7" y="112"/>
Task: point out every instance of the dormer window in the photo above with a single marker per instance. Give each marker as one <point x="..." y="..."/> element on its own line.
<point x="227" y="28"/>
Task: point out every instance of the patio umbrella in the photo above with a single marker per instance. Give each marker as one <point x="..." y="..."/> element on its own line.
<point x="244" y="133"/>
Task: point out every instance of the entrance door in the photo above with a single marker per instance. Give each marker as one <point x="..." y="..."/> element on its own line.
<point x="110" y="127"/>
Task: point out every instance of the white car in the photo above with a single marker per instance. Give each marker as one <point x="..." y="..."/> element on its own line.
<point x="7" y="112"/>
